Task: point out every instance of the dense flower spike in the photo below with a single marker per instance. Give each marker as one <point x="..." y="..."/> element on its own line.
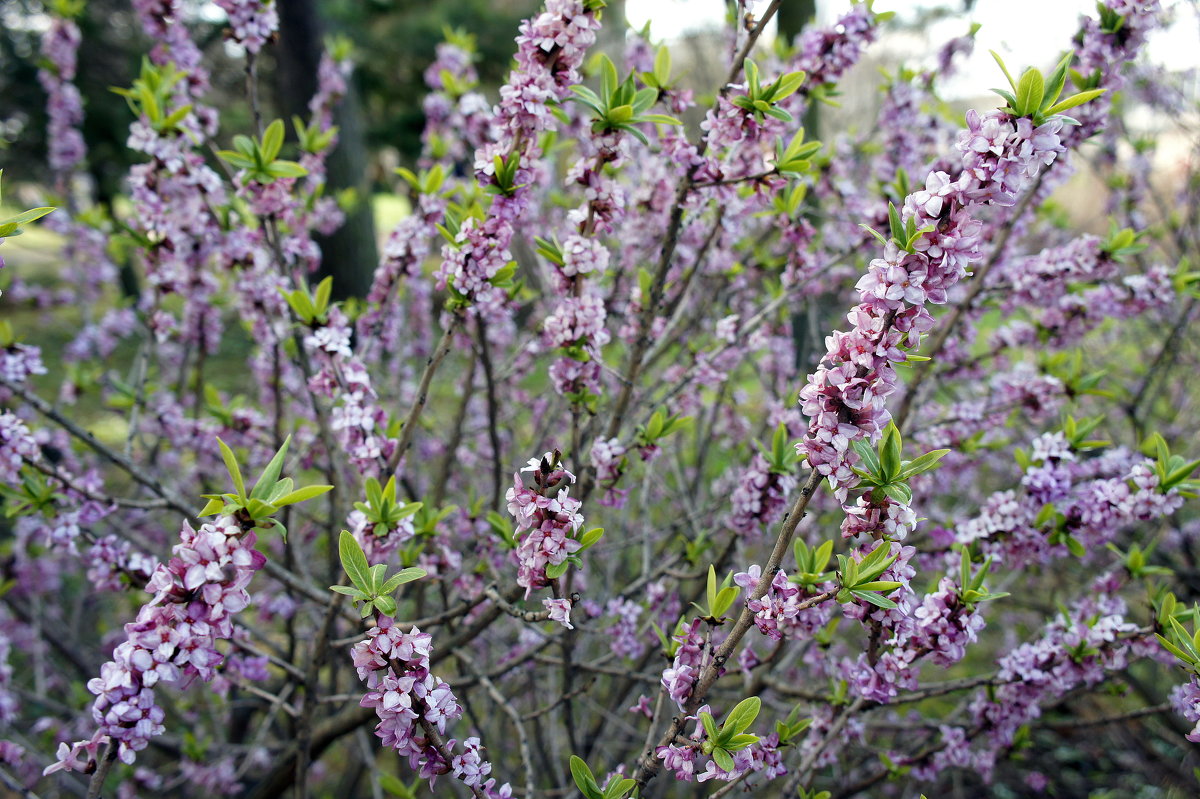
<point x="411" y="704"/>
<point x="845" y="399"/>
<point x="173" y="639"/>
<point x="550" y="51"/>
<point x="548" y="521"/>
<point x="586" y="258"/>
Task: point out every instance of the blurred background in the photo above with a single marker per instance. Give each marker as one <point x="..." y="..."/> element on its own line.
<point x="394" y="41"/>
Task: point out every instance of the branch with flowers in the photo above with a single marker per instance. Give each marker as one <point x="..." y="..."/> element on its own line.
<point x="922" y="556"/>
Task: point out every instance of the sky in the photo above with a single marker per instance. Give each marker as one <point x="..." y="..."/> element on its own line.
<point x="1024" y="32"/>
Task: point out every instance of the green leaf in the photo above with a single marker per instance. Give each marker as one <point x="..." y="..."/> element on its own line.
<point x="899" y="492"/>
<point x="285" y="169"/>
<point x="662" y="65"/>
<point x="301" y="495"/>
<point x="1074" y="100"/>
<point x="1004" y="69"/>
<point x="923" y="463"/>
<point x="878" y="585"/>
<point x="235" y="472"/>
<point x="1174" y="650"/>
<point x="619" y="788"/>
<point x="400" y="578"/>
<point x="723" y="759"/>
<point x="608" y="77"/>
<point x="590" y="538"/>
<point x="394" y="786"/>
<point x="1030" y="92"/>
<point x="725" y="599"/>
<point x="556" y="570"/>
<point x="322" y="295"/>
<point x="270" y="475"/>
<point x="354" y="561"/>
<point x="869" y="457"/>
<point x="1057" y="80"/>
<point x="584" y="780"/>
<point x="272" y="141"/>
<point x="889" y="453"/>
<point x="742" y="715"/>
<point x="26" y="217"/>
<point x="874" y="599"/>
<point x="386" y="605"/>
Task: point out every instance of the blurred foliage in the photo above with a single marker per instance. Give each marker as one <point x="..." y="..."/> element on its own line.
<point x="395" y="41"/>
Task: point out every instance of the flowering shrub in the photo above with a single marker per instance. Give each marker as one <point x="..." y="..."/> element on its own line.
<point x="927" y="555"/>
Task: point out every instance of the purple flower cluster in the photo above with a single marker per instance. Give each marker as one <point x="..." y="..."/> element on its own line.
<point x="357" y="418"/>
<point x="779" y="615"/>
<point x="690" y="659"/>
<point x="1069" y="290"/>
<point x="608" y="459"/>
<point x="18" y="362"/>
<point x="1098" y="498"/>
<point x="826" y="54"/>
<point x="251" y="22"/>
<point x="412" y="704"/>
<point x="111" y="558"/>
<point x="759" y="497"/>
<point x="940" y="628"/>
<point x="1080" y="648"/>
<point x="17" y="445"/>
<point x="547" y="520"/>
<point x="1185" y="699"/>
<point x="550" y="49"/>
<point x="845" y="399"/>
<point x="64" y="104"/>
<point x="173" y="638"/>
<point x="683" y="759"/>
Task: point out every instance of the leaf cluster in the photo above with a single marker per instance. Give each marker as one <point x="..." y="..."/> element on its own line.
<point x="903" y="234"/>
<point x="1036" y="97"/>
<point x="311" y="138"/>
<point x="811" y="563"/>
<point x="660" y="77"/>
<point x="381" y="507"/>
<point x="1181" y="642"/>
<point x="1120" y="243"/>
<point x="368" y="587"/>
<point x="782" y="457"/>
<point x="860" y="579"/>
<point x="795" y="159"/>
<point x="153" y="93"/>
<point x="620" y="105"/>
<point x="660" y="425"/>
<point x="310" y="308"/>
<point x="1174" y="471"/>
<point x="719" y="596"/>
<point x="617" y="786"/>
<point x="732" y="735"/>
<point x="1136" y="561"/>
<point x="972" y="591"/>
<point x="270" y="493"/>
<point x="260" y="157"/>
<point x="427" y="181"/>
<point x="762" y="100"/>
<point x="505" y="174"/>
<point x="34" y="494"/>
<point x="883" y="470"/>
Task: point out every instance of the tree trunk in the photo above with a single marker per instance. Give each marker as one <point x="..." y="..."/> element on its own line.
<point x="793" y="16"/>
<point x="349" y="255"/>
